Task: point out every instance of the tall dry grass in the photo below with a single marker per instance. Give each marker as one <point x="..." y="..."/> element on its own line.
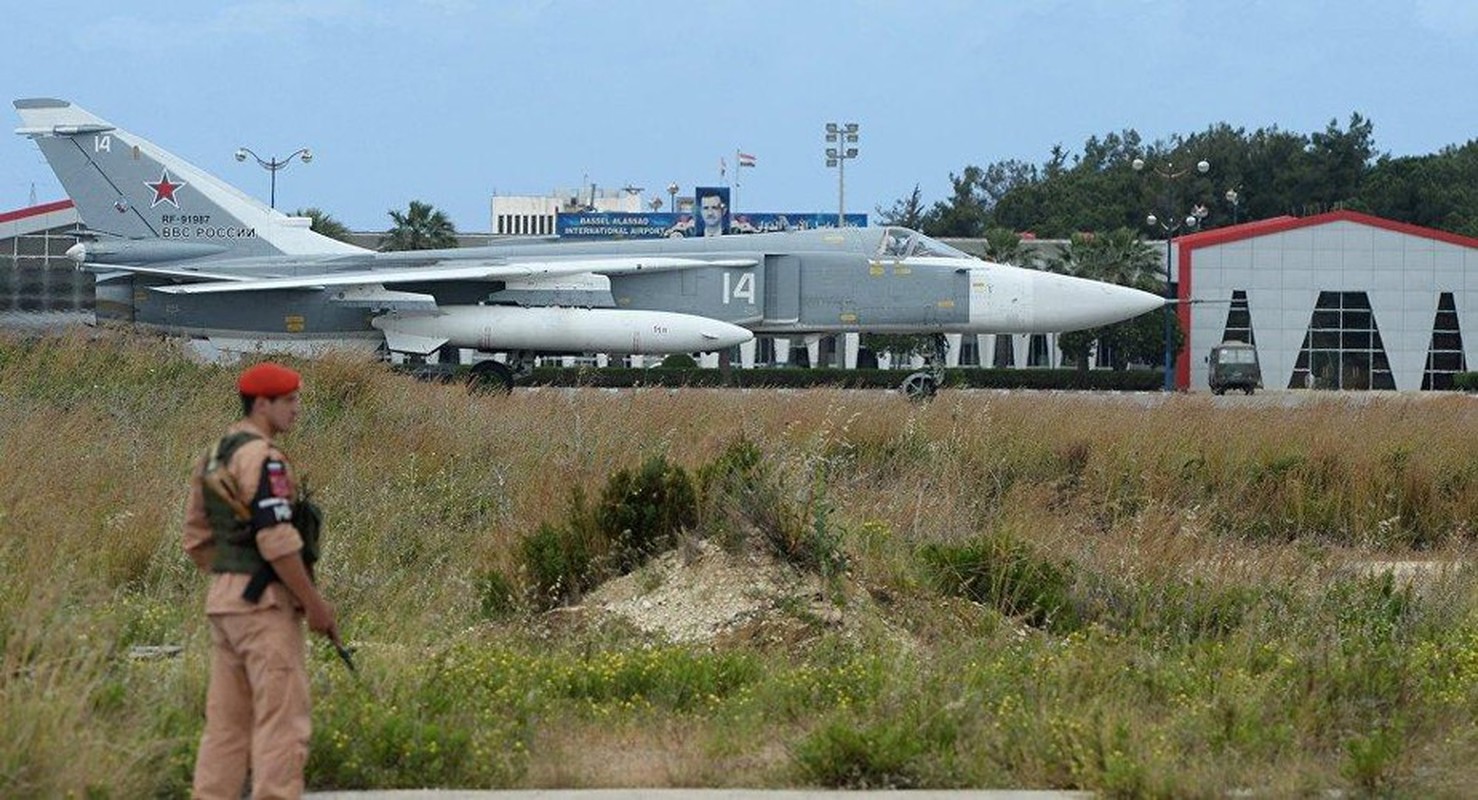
<point x="1199" y="532"/>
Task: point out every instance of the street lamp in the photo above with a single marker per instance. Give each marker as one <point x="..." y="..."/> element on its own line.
<point x="672" y="195"/>
<point x="1170" y="174"/>
<point x="273" y="164"/>
<point x="1234" y="199"/>
<point x="842" y="135"/>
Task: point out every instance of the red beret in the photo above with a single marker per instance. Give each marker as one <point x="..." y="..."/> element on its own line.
<point x="268" y="380"/>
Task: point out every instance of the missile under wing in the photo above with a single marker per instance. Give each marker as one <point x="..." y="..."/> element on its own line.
<point x="178" y="250"/>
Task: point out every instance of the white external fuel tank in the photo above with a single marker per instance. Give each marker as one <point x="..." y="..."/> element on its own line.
<point x="558" y="330"/>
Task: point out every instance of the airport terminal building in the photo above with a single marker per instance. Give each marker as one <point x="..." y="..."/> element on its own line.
<point x="1341" y="300"/>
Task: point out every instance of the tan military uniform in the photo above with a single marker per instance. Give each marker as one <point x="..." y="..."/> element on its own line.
<point x="257" y="707"/>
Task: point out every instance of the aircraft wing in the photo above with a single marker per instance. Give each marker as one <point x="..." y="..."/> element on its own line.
<point x="455" y="270"/>
<point x="164" y="272"/>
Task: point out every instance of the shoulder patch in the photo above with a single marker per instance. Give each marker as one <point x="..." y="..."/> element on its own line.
<point x="278" y="482"/>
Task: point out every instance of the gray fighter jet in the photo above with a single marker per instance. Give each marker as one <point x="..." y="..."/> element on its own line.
<point x="178" y="250"/>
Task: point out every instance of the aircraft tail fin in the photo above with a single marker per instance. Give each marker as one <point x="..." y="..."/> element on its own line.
<point x="126" y="186"/>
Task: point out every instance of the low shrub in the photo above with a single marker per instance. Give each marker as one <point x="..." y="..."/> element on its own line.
<point x="747" y="495"/>
<point x="1181" y="611"/>
<point x="679" y="361"/>
<point x="641" y="513"/>
<point x="888" y="752"/>
<point x="1001" y="571"/>
<point x="497" y="596"/>
<point x="556" y="564"/>
<point x="722" y="486"/>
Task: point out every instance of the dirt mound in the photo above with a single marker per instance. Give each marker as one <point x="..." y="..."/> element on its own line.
<point x="699" y="593"/>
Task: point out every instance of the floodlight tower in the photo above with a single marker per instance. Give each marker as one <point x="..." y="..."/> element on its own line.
<point x="843" y="136"/>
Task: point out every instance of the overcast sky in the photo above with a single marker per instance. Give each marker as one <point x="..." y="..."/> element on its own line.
<point x="452" y="101"/>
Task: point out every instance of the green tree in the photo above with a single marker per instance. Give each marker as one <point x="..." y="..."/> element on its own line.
<point x="906" y="211"/>
<point x="964" y="214"/>
<point x="325" y="224"/>
<point x="1001" y="177"/>
<point x="1274" y="172"/>
<point x="1437" y="191"/>
<point x="422" y="227"/>
<point x="1097" y="190"/>
<point x="1338" y="160"/>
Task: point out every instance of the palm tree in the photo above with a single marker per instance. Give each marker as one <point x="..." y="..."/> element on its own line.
<point x="1121" y="257"/>
<point x="1003" y="246"/>
<point x="325" y="224"/>
<point x="421" y="228"/>
<point x="1117" y="256"/>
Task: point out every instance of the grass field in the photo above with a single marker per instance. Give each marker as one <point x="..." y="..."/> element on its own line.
<point x="1175" y="599"/>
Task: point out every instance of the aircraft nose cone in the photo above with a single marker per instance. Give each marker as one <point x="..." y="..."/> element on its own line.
<point x="1139" y="302"/>
<point x="77" y="253"/>
<point x="1079" y="303"/>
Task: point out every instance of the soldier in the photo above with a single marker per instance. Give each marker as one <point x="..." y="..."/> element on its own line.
<point x="247" y="523"/>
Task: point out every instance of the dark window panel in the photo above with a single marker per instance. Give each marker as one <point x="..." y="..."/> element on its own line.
<point x="1325" y="320"/>
<point x="1358" y="321"/>
<point x="1326" y="340"/>
<point x="1444" y="340"/>
<point x="1447" y="362"/>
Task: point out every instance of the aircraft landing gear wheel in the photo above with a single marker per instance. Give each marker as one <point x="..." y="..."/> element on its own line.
<point x="1248" y="390"/>
<point x="490" y="377"/>
<point x="919" y="386"/>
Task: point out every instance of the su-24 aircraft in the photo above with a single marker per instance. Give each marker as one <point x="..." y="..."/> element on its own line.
<point x="177" y="250"/>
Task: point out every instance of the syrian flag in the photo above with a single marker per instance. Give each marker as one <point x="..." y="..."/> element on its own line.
<point x="745" y="159"/>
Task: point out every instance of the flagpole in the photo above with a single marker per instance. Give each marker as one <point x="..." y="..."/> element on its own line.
<point x="734" y="201"/>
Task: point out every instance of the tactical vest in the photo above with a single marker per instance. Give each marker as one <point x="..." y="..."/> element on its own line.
<point x="230" y="516"/>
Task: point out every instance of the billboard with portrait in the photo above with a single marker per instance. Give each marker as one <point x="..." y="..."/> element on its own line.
<point x="713" y="210"/>
<point x="618" y="225"/>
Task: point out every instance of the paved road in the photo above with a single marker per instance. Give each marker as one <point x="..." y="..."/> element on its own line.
<point x="701" y="794"/>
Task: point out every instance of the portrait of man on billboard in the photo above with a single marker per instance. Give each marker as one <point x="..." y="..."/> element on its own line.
<point x="713" y="210"/>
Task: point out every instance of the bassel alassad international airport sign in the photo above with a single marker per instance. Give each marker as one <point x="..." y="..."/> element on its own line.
<point x="613" y="225"/>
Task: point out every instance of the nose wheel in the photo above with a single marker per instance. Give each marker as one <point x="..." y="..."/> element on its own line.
<point x="925" y="384"/>
<point x="919" y="386"/>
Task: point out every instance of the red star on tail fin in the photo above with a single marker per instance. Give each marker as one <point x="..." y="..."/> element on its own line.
<point x="164" y="190"/>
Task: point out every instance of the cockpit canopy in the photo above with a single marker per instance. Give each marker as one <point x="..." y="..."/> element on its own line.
<point x="905" y="243"/>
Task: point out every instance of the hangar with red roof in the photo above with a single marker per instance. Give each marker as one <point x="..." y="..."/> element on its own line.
<point x="1341" y="300"/>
